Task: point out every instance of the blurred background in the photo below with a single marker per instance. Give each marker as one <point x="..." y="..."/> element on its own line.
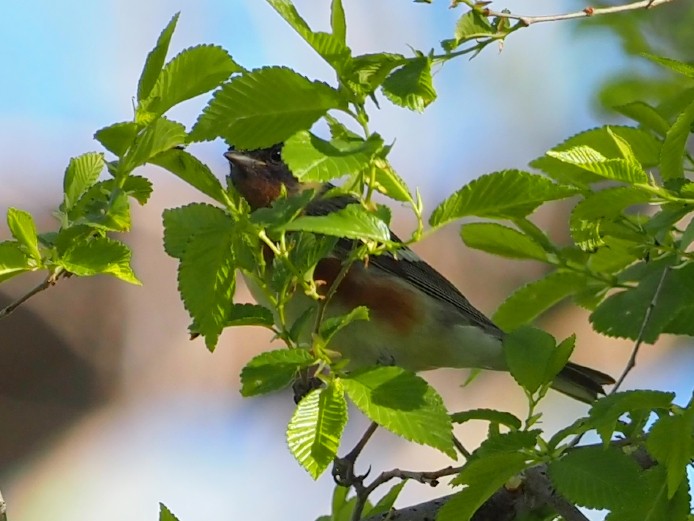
<point x="106" y="407"/>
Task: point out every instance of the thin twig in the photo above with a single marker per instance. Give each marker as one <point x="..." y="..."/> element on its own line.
<point x="584" y="13"/>
<point x="642" y="331"/>
<point x="461" y="448"/>
<point x="47" y="283"/>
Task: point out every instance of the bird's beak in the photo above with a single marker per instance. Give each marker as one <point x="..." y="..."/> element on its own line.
<point x="242" y="160"/>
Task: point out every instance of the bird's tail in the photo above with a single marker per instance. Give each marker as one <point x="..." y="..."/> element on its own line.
<point x="582" y="383"/>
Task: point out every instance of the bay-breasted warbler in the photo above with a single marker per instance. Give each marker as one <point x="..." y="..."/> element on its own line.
<point x="418" y="319"/>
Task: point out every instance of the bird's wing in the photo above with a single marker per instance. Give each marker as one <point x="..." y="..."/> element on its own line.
<point x="406" y="265"/>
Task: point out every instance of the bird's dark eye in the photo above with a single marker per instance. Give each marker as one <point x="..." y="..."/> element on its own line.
<point x="276" y="154"/>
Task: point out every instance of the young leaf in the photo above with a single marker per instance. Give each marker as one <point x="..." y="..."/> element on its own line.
<point x="483" y="476"/>
<point x="192" y="72"/>
<point x="505" y="195"/>
<point x="674" y="65"/>
<point x="470" y="25"/>
<point x="264" y="107"/>
<point x="206" y="281"/>
<point x="313" y="159"/>
<point x="331" y="326"/>
<point x="670" y="443"/>
<point x="23" y="228"/>
<point x="645" y="146"/>
<point x="411" y="86"/>
<point x="675" y="144"/>
<point x="588" y="215"/>
<point x="385" y="504"/>
<point x="314" y="432"/>
<point x="331" y="47"/>
<point x="118" y="137"/>
<point x="531" y="356"/>
<point x="529" y="301"/>
<point x="597" y="477"/>
<point x="337" y="21"/>
<point x="490" y="415"/>
<point x="180" y="224"/>
<point x="368" y="71"/>
<point x="593" y="161"/>
<point x="249" y="315"/>
<point x="81" y="173"/>
<point x="155" y="59"/>
<point x="191" y="170"/>
<point x="352" y="222"/>
<point x="501" y="240"/>
<point x="403" y="403"/>
<point x="157" y="137"/>
<point x="99" y="255"/>
<point x="273" y="370"/>
<point x="13" y="260"/>
<point x="389" y="183"/>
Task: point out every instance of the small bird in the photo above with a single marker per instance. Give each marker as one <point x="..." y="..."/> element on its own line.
<point x="418" y="319"/>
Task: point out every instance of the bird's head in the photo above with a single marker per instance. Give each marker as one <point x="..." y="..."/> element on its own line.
<point x="259" y="175"/>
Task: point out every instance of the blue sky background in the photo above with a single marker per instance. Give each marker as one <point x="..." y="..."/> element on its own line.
<point x="71" y="67"/>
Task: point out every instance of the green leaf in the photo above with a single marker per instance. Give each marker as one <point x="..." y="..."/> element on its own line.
<point x="81" y="173"/>
<point x="654" y="504"/>
<point x="331" y="47"/>
<point x="483" y="477"/>
<point x="164" y="513"/>
<point x="501" y="240"/>
<point x="505" y="195"/>
<point x="283" y="210"/>
<point x="23" y="228"/>
<point x="670" y="443"/>
<point x="645" y="115"/>
<point x="593" y="161"/>
<point x="104" y="207"/>
<point x="608" y="204"/>
<point x="533" y="358"/>
<point x="118" y="137"/>
<point x="622" y="314"/>
<point x="508" y="442"/>
<point x="529" y="301"/>
<point x="191" y="170"/>
<point x="490" y="415"/>
<point x="337" y="21"/>
<point x="206" y="280"/>
<point x="675" y="145"/>
<point x="192" y="72"/>
<point x="250" y="315"/>
<point x="403" y="403"/>
<point x="99" y="255"/>
<point x="273" y="370"/>
<point x="674" y="65"/>
<point x="605" y="412"/>
<point x="471" y="25"/>
<point x="155" y="59"/>
<point x="314" y="432"/>
<point x="352" y="221"/>
<point x="13" y="260"/>
<point x="313" y="159"/>
<point x="411" y="85"/>
<point x="180" y="224"/>
<point x="597" y="477"/>
<point x="157" y="137"/>
<point x="265" y="107"/>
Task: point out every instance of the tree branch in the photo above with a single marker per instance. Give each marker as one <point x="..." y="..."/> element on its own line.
<point x="642" y="331"/>
<point x="584" y="13"/>
<point x="50" y="281"/>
